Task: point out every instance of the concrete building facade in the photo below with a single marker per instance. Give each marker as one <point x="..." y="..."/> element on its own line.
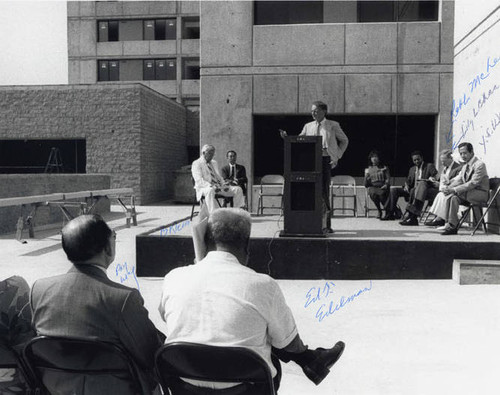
<point x="258" y="69"/>
<point x="154" y="42"/>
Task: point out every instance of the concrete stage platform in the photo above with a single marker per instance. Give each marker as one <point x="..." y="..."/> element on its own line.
<point x="360" y="249"/>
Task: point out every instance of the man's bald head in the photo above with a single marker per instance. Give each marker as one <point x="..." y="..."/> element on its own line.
<point x="84" y="237"/>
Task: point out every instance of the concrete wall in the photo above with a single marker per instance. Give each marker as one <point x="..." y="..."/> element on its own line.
<point x="14" y="185"/>
<point x="120" y="123"/>
<point x="369" y="68"/>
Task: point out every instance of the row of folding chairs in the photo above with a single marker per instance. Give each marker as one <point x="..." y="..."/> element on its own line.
<point x="102" y="360"/>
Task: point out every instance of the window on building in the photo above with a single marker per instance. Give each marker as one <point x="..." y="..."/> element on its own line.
<point x="130" y="30"/>
<point x="107" y="31"/>
<point x="191" y="28"/>
<point x="159" y="69"/>
<point x="160" y="29"/>
<point x="299" y="12"/>
<point x="109" y="70"/>
<point x="191" y="69"/>
<point x="131" y="70"/>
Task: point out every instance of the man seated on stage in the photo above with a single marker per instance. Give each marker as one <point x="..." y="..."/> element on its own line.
<point x="471" y="185"/>
<point x="220" y="301"/>
<point x="450" y="170"/>
<point x="234" y="173"/>
<point x="414" y="191"/>
<point x="84" y="303"/>
<point x="208" y="182"/>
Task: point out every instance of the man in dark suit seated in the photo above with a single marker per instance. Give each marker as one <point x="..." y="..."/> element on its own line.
<point x="414" y="191"/>
<point x="85" y="303"/>
<point x="234" y="173"/>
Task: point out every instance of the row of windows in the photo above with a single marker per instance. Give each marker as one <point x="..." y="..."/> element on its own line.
<point x="147" y="69"/>
<point x="149" y="29"/>
<point x="294" y="12"/>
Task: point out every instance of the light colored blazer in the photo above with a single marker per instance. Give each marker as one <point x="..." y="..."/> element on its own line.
<point x="336" y="139"/>
<point x="476" y="179"/>
<point x="85" y="303"/>
<point x="455" y="171"/>
<point x="201" y="175"/>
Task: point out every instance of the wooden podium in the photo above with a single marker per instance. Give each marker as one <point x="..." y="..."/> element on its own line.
<point x="303" y="203"/>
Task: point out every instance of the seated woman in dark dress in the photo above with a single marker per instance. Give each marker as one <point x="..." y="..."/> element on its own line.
<point x="377" y="180"/>
<point x="15" y="331"/>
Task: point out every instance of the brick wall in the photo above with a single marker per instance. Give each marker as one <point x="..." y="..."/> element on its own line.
<point x="132" y="133"/>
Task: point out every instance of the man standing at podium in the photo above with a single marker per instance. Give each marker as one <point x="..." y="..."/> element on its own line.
<point x="334" y="145"/>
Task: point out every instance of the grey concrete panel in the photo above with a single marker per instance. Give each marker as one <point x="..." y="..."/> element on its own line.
<point x="340" y="11"/>
<point x="73" y="8"/>
<point x="190" y="7"/>
<point x="135" y="7"/>
<point x="445" y="105"/>
<point x="167" y="88"/>
<point x="130" y="30"/>
<point x="298" y="44"/>
<point x="110" y="48"/>
<point x="109" y="8"/>
<point x="73" y="37"/>
<point x="447" y="31"/>
<point x="368" y="93"/>
<point x="87" y="37"/>
<point x="228" y="43"/>
<point x="226" y="117"/>
<point x="329" y="88"/>
<point x="87" y="8"/>
<point x="418" y="93"/>
<point x="73" y="71"/>
<point x="162" y="47"/>
<point x="162" y="7"/>
<point x="275" y="94"/>
<point x="88" y="72"/>
<point x="419" y="42"/>
<point x="371" y="43"/>
<point x="191" y="87"/>
<point x="190" y="47"/>
<point x="136" y="47"/>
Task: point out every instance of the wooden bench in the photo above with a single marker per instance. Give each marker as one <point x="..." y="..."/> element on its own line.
<point x="84" y="200"/>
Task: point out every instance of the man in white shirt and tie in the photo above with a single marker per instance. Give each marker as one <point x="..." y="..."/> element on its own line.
<point x="471" y="185"/>
<point x="208" y="182"/>
<point x="335" y="143"/>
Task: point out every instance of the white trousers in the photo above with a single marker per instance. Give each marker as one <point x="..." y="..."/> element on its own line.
<point x="233" y="191"/>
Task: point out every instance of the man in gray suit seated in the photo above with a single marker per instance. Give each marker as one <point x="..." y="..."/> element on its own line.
<point x="471" y="185"/>
<point x="84" y="303"/>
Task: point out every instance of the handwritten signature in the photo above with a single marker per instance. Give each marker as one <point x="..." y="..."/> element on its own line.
<point x="123" y="272"/>
<point x="494" y="123"/>
<point x="173" y="229"/>
<point x="315" y="294"/>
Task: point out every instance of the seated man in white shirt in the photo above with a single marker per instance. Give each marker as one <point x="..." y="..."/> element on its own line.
<point x="220" y="301"/>
<point x="208" y="182"/>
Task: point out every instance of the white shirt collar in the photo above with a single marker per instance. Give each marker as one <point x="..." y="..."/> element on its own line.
<point x="221" y="257"/>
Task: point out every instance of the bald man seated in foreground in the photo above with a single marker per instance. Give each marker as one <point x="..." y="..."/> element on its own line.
<point x="220" y="301"/>
<point x="84" y="303"/>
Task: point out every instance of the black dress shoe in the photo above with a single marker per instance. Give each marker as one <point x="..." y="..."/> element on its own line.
<point x="410" y="221"/>
<point x="387" y="218"/>
<point x="450" y="231"/>
<point x="327" y="231"/>
<point x="319" y="368"/>
<point x="435" y="222"/>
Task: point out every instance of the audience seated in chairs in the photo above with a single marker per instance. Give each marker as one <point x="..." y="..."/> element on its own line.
<point x="234" y="173"/>
<point x="471" y="185"/>
<point x="15" y="331"/>
<point x="377" y="180"/>
<point x="208" y="182"/>
<point x="414" y="191"/>
<point x="220" y="301"/>
<point x="84" y="303"/>
<point x="450" y="169"/>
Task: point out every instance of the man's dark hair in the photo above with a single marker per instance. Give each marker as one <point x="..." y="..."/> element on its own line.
<point x="372" y="154"/>
<point x="228" y="152"/>
<point x="321" y="105"/>
<point x="84" y="237"/>
<point x="469" y="147"/>
<point x="417" y="153"/>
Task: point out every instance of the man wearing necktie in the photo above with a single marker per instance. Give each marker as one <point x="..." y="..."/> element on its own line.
<point x="234" y="173"/>
<point x="208" y="182"/>
<point x="470" y="186"/>
<point x="335" y="143"/>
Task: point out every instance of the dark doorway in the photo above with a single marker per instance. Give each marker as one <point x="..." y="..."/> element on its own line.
<point x="365" y="132"/>
<point x="31" y="156"/>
